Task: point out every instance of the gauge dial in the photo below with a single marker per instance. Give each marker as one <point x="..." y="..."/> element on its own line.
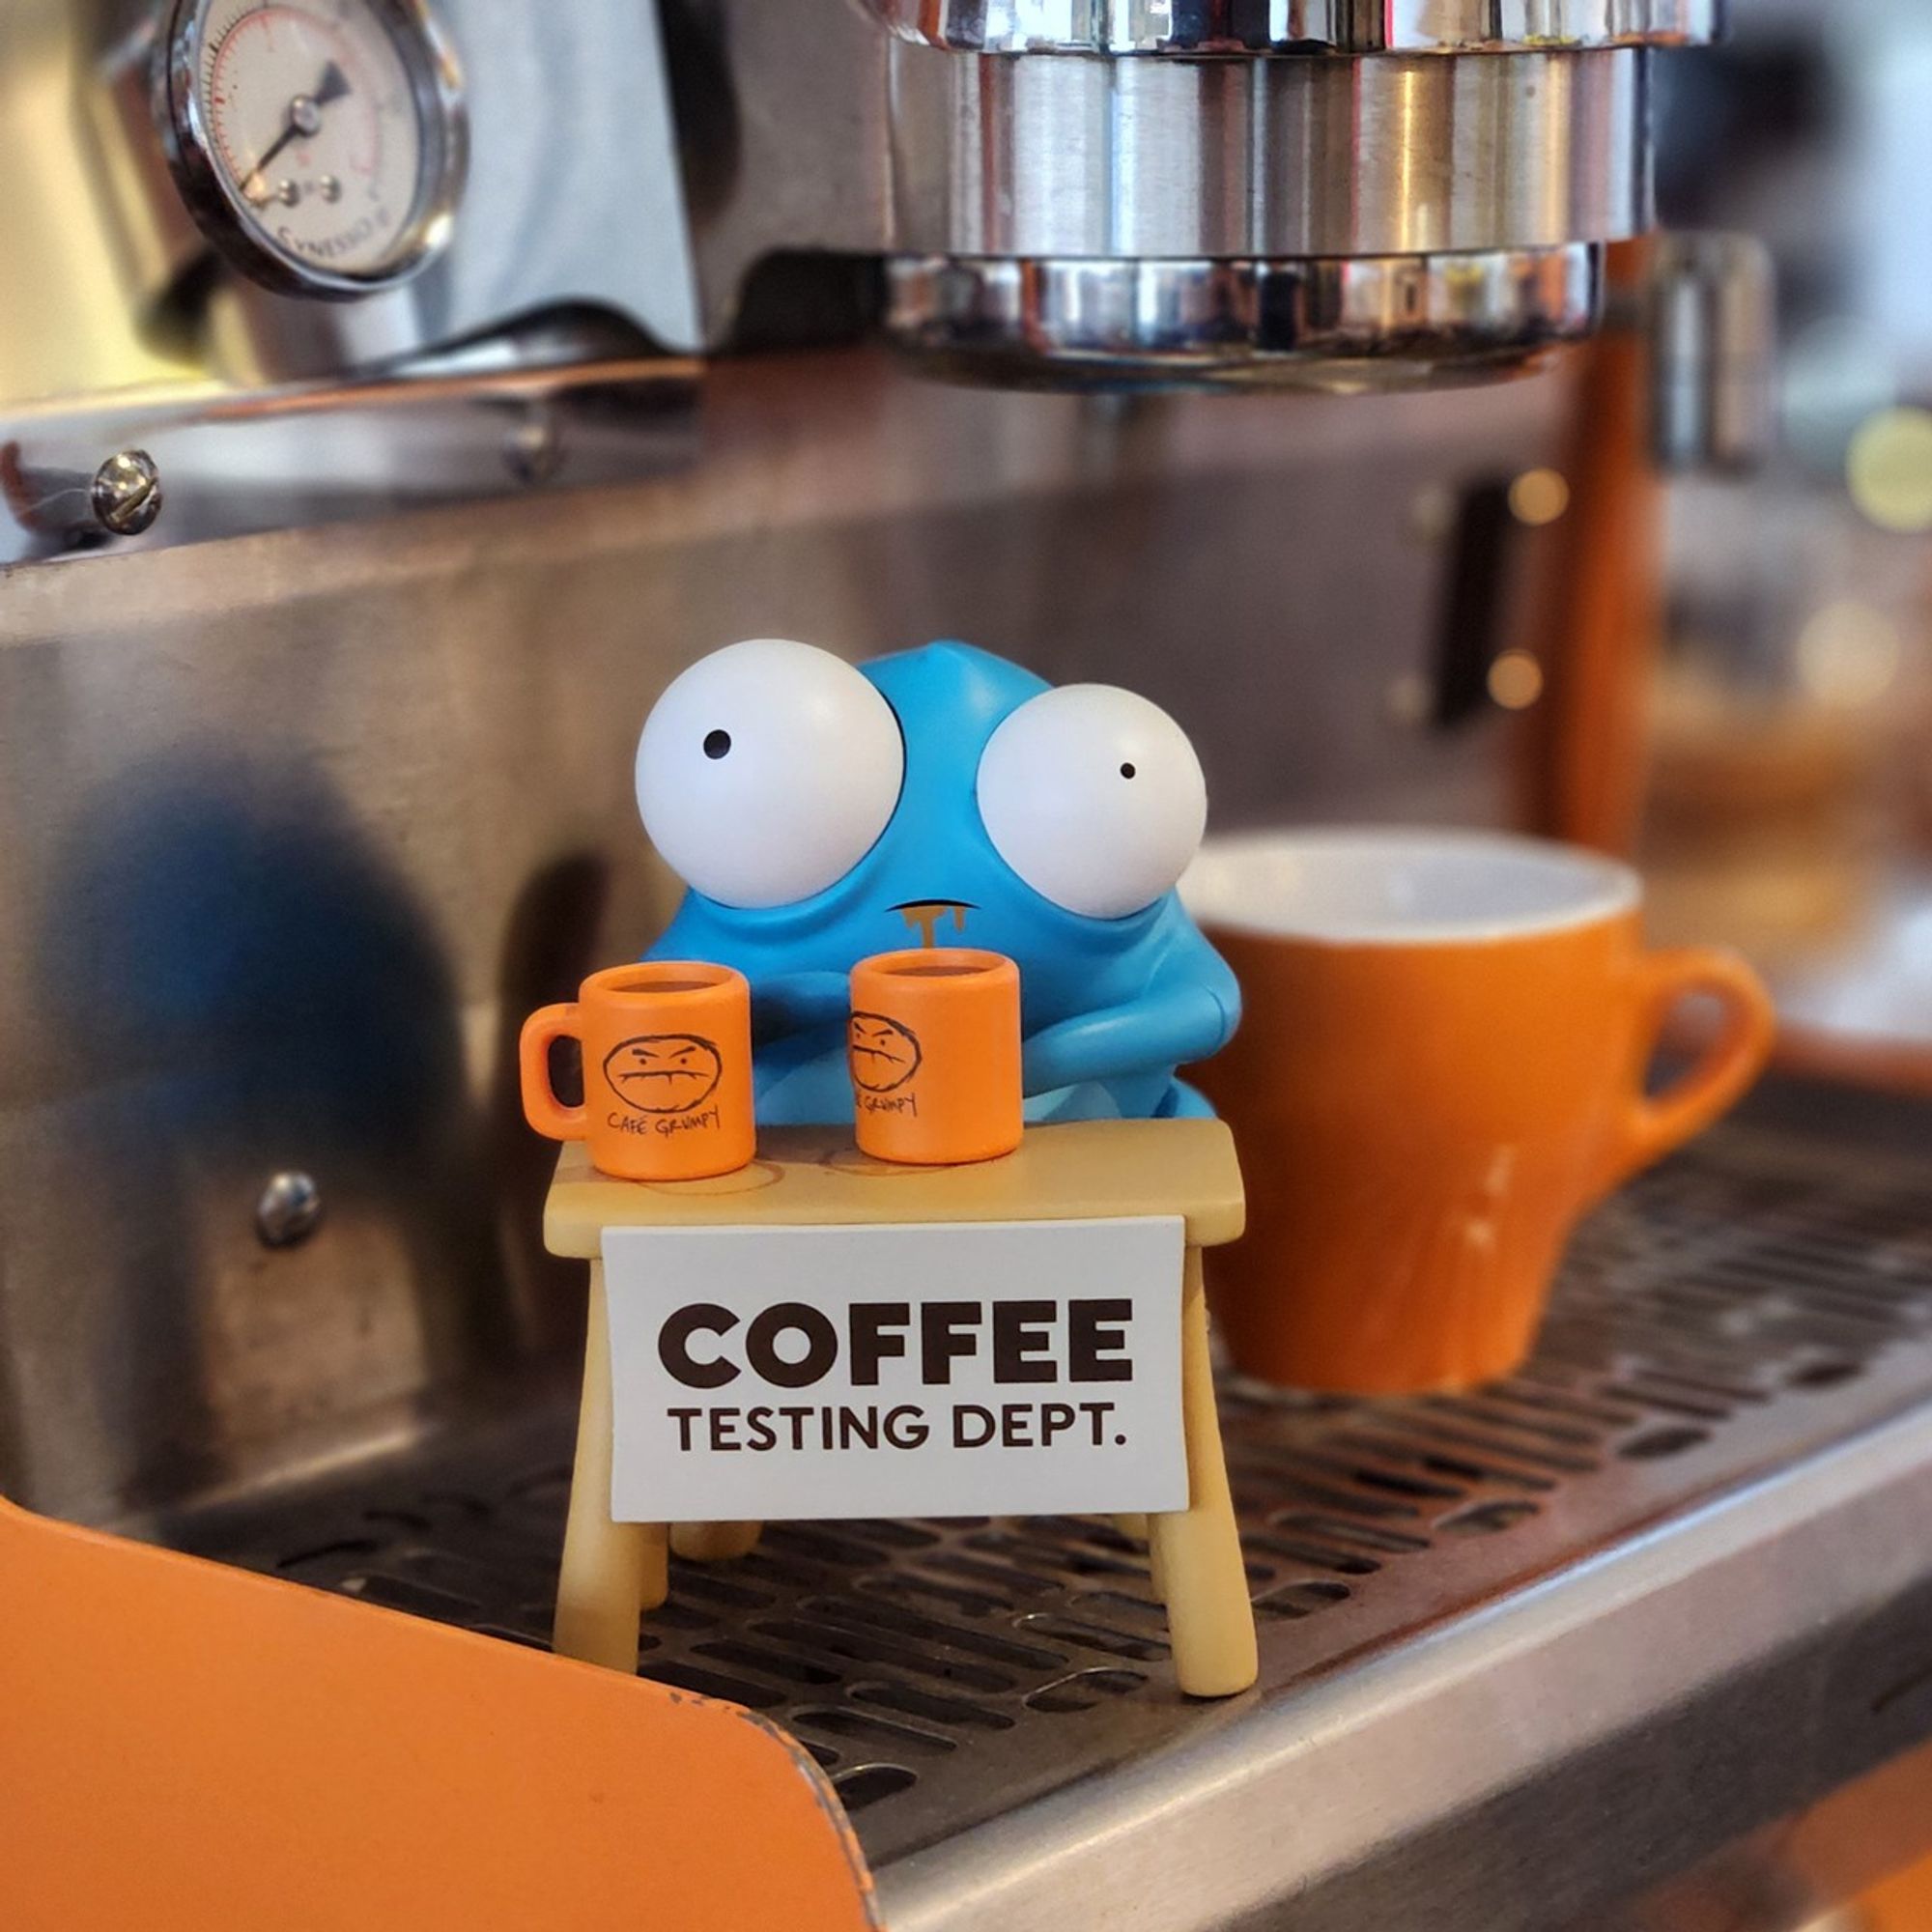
<point x="330" y="132"/>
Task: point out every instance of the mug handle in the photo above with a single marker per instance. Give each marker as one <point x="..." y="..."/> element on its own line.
<point x="1653" y="1126"/>
<point x="541" y="1107"/>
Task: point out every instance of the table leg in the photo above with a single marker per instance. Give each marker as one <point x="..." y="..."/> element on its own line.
<point x="1197" y="1553"/>
<point x="1136" y="1527"/>
<point x="714" y="1542"/>
<point x="612" y="1572"/>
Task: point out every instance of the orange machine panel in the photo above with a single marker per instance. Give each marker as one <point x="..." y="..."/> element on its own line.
<point x="187" y="1748"/>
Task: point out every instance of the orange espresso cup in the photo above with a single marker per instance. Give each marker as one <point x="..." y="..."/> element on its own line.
<point x="1441" y="1066"/>
<point x="667" y="1071"/>
<point x="934" y="1049"/>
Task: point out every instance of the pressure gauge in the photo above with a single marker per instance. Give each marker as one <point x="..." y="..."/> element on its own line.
<point x="320" y="144"/>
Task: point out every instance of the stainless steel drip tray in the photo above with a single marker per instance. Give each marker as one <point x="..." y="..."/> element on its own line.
<point x="1525" y="1653"/>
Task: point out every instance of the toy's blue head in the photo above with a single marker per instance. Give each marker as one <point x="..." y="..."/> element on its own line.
<point x="822" y="814"/>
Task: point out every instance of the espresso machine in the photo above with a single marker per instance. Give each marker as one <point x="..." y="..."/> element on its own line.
<point x="357" y="514"/>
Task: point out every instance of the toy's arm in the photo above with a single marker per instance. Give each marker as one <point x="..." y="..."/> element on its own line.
<point x="789" y="1003"/>
<point x="1162" y="1030"/>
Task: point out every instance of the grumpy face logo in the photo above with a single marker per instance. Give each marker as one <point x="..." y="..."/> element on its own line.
<point x="663" y="1073"/>
<point x="884" y="1055"/>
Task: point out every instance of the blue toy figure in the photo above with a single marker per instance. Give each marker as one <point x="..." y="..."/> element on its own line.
<point x="821" y="813"/>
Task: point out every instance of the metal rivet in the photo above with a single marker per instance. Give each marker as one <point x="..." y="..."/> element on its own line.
<point x="126" y="493"/>
<point x="287" y="1213"/>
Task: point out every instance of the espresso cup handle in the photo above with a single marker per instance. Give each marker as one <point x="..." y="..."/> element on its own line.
<point x="541" y="1106"/>
<point x="1656" y="1125"/>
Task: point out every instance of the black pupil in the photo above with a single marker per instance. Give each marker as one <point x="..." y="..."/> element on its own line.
<point x="717" y="743"/>
<point x="1126" y="771"/>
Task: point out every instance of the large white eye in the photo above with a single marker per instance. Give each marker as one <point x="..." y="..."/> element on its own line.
<point x="767" y="772"/>
<point x="1094" y="798"/>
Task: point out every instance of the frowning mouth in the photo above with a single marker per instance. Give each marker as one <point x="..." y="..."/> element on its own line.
<point x="925" y="916"/>
<point x="882" y="1053"/>
<point x="688" y="1067"/>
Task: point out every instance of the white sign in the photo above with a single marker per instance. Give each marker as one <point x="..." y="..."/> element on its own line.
<point x="975" y="1369"/>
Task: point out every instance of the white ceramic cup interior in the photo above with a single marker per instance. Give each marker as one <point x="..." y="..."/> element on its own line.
<point x="1368" y="887"/>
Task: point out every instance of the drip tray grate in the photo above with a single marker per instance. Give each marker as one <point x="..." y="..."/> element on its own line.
<point x="1748" y="1305"/>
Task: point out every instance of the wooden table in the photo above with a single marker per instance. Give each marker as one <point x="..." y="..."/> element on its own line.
<point x="814" y="1176"/>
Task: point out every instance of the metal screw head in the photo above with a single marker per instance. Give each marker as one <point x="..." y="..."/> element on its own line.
<point x="290" y="1207"/>
<point x="128" y="493"/>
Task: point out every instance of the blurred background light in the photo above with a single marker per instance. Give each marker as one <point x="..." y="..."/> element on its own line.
<point x="1889" y="469"/>
<point x="1539" y="496"/>
<point x="1515" y="680"/>
<point x="1849" y="654"/>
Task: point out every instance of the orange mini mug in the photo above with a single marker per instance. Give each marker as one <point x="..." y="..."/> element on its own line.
<point x="667" y="1071"/>
<point x="1441" y="1066"/>
<point x="934" y="1049"/>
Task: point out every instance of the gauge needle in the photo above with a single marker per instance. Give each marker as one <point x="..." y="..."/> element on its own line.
<point x="304" y="120"/>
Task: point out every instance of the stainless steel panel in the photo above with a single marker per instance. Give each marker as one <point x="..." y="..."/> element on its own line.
<point x="784" y="116"/>
<point x="295" y="829"/>
<point x="1554" y="1654"/>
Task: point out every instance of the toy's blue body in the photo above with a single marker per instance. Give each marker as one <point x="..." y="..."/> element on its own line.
<point x="1109" y="1007"/>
